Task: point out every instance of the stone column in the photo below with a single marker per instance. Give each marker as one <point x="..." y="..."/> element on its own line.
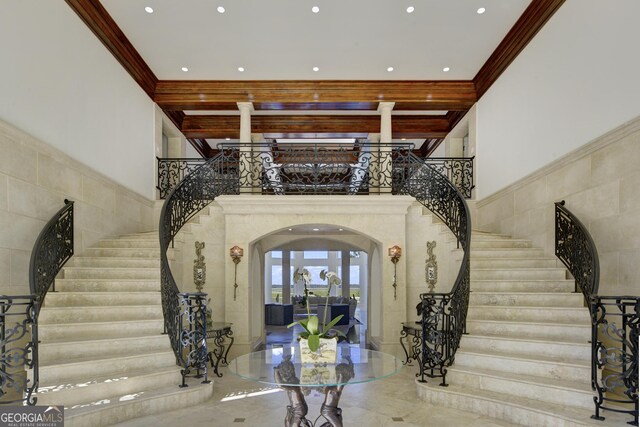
<point x="385" y="148"/>
<point x="346" y="273"/>
<point x="286" y="277"/>
<point x="247" y="177"/>
<point x="370" y="157"/>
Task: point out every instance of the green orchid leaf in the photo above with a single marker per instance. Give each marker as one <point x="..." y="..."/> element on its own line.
<point x="339" y="333"/>
<point x="333" y="322"/>
<point x="314" y="342"/>
<point x="312" y="325"/>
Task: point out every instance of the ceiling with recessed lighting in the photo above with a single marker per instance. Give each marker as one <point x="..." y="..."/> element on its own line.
<point x="285" y="39"/>
<point x="315" y="68"/>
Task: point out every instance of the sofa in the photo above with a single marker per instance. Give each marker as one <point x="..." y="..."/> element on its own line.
<point x="315" y="301"/>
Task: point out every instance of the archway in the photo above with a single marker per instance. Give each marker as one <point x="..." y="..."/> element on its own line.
<point x="316" y="247"/>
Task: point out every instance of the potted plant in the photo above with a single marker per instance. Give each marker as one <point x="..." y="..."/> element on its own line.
<point x="318" y="341"/>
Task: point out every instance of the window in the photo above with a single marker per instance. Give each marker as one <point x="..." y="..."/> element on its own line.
<point x="276" y="275"/>
<point x="316" y="254"/>
<point x="276" y="254"/>
<point x="354" y="275"/>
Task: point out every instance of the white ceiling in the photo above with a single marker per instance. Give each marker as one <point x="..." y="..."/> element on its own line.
<point x="347" y="39"/>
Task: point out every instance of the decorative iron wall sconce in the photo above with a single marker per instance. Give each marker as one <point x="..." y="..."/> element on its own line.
<point x="199" y="267"/>
<point x="431" y="267"/>
<point x="395" y="253"/>
<point x="236" y="253"/>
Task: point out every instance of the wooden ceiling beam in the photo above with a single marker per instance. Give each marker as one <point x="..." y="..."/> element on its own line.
<point x="523" y="31"/>
<point x="213" y="94"/>
<point x="95" y="16"/>
<point x="228" y="126"/>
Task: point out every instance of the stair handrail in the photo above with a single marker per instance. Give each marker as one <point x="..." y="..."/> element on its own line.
<point x="187" y="328"/>
<point x="577" y="251"/>
<point x="52" y="249"/>
<point x="443" y="314"/>
<point x="614" y="348"/>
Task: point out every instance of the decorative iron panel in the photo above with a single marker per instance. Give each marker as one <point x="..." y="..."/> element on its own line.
<point x="172" y="171"/>
<point x="219" y="175"/>
<point x="614" y="369"/>
<point x="576" y="250"/>
<point x="360" y="168"/>
<point x="443" y="315"/>
<point x="193" y="334"/>
<point x="53" y="248"/>
<point x="18" y="343"/>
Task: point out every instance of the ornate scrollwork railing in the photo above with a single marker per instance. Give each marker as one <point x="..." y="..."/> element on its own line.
<point x="360" y="168"/>
<point x="443" y="314"/>
<point x="576" y="250"/>
<point x="53" y="248"/>
<point x="172" y="171"/>
<point x="219" y="175"/>
<point x="19" y="351"/>
<point x="615" y="320"/>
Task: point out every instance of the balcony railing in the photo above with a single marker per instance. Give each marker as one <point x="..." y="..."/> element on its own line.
<point x="360" y="168"/>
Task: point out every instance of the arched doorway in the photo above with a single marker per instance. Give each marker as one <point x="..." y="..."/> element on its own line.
<point x="316" y="247"/>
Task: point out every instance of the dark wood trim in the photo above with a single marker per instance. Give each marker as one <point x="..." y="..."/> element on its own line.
<point x="429" y="146"/>
<point x="105" y="28"/>
<point x="211" y="94"/>
<point x="290" y="125"/>
<point x="202" y="147"/>
<point x="453" y="117"/>
<point x="177" y="117"/>
<point x="526" y="27"/>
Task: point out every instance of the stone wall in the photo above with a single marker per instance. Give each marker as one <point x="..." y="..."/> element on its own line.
<point x="35" y="178"/>
<point x="600" y="183"/>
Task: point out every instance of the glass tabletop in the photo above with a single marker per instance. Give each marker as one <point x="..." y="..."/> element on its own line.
<point x="354" y="365"/>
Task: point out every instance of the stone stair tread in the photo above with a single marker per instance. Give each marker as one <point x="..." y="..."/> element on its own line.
<point x="528" y="358"/>
<point x="109" y="378"/>
<point x="539" y="322"/>
<point x="529" y="379"/>
<point x="522" y="293"/>
<point x="517" y="269"/>
<point x="534" y="339"/>
<point x="118" y="403"/>
<point x="102" y="307"/>
<point x="529" y="307"/>
<point x="110" y="268"/>
<point x="104" y="359"/>
<point x="89" y="340"/>
<point x="576" y="415"/>
<point x="92" y="293"/>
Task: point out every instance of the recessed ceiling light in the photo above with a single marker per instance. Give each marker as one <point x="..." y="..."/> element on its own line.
<point x="404" y="139"/>
<point x="316" y="229"/>
<point x="241" y="69"/>
<point x="481" y="11"/>
<point x="291" y="229"/>
<point x="410" y="9"/>
<point x="446" y="69"/>
<point x="316" y="69"/>
<point x="220" y="9"/>
<point x="340" y="229"/>
<point x="390" y="69"/>
<point x="227" y="139"/>
<point x="148" y="9"/>
<point x="315" y="9"/>
<point x="185" y="69"/>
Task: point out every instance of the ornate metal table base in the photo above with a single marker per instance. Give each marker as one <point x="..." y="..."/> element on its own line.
<point x="411" y="334"/>
<point x="218" y="352"/>
<point x="330" y="413"/>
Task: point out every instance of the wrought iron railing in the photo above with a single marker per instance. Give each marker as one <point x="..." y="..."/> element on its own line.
<point x="18" y="344"/>
<point x="443" y="314"/>
<point x="359" y="168"/>
<point x="576" y="250"/>
<point x="19" y="376"/>
<point x="219" y="175"/>
<point x="53" y="248"/>
<point x="172" y="171"/>
<point x="615" y="321"/>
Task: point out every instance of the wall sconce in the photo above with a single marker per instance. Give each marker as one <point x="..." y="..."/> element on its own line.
<point x="395" y="253"/>
<point x="236" y="253"/>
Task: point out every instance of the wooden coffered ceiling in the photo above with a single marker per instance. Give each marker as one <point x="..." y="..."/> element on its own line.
<point x="419" y="104"/>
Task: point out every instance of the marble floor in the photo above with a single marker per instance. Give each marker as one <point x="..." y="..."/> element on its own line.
<point x="389" y="402"/>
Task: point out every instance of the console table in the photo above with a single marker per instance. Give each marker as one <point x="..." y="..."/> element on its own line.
<point x="221" y="336"/>
<point x="412" y="334"/>
<point x="282" y="367"/>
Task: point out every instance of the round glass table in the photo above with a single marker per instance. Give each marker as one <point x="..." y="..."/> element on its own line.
<point x="282" y="367"/>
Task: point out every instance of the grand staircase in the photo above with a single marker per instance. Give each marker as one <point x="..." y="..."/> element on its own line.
<point x="527" y="356"/>
<point x="102" y="353"/>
